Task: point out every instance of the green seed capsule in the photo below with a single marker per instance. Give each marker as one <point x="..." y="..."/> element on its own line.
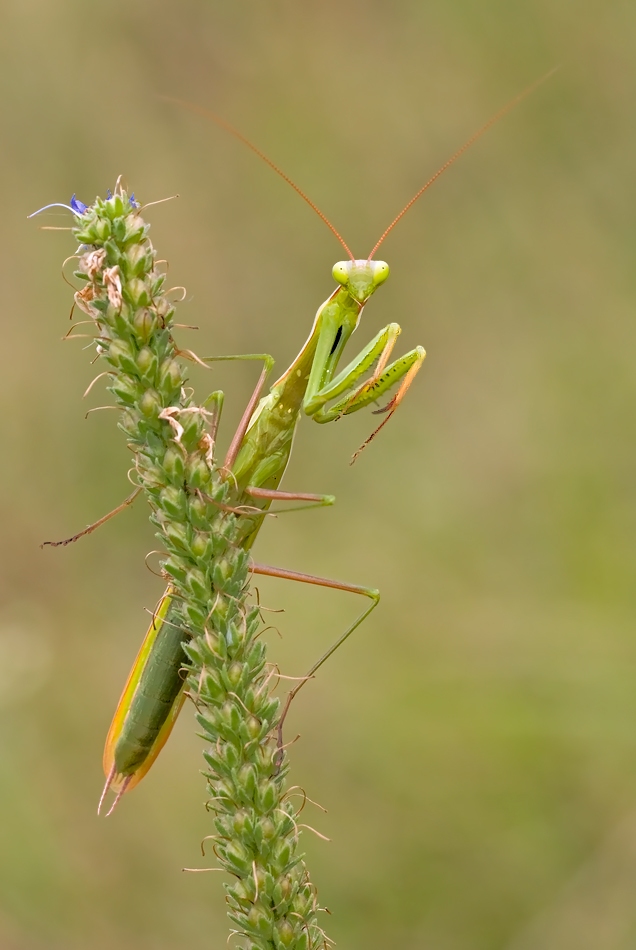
<point x="200" y="545"/>
<point x="119" y="229"/>
<point x="138" y="260"/>
<point x="197" y="584"/>
<point x="285" y="932"/>
<point x="102" y="229"/>
<point x="145" y="324"/>
<point x="146" y="360"/>
<point x="235" y="674"/>
<point x="122" y="356"/>
<point x="136" y="229"/>
<point x="170" y="377"/>
<point x="126" y="389"/>
<point x="129" y="422"/>
<point x="137" y="292"/>
<point x="173" y="500"/>
<point x="115" y="207"/>
<point x="253" y="727"/>
<point x="174" y="465"/>
<point x="150" y="404"/>
<point x="199" y="474"/>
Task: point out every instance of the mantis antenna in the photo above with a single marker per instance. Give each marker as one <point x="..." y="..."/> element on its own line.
<point x="206" y="113"/>
<point x="198" y="110"/>
<point x="460" y="151"/>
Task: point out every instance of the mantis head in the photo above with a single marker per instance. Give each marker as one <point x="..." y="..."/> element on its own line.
<point x="360" y="278"/>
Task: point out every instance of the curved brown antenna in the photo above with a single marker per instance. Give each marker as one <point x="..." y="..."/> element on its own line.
<point x="460" y="151"/>
<point x="199" y="110"/>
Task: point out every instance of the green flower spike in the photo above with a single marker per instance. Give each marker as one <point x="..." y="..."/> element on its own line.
<point x="271" y="901"/>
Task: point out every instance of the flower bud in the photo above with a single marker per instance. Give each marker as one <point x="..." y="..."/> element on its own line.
<point x="230" y="756"/>
<point x="243" y="891"/>
<point x="176" y="567"/>
<point x="198" y="512"/>
<point x="285" y="932"/>
<point x="146" y="360"/>
<point x="222" y="572"/>
<point x="138" y="260"/>
<point x="170" y="377"/>
<point x="268" y="828"/>
<point x="137" y="292"/>
<point x="114" y="206"/>
<point x="196" y="583"/>
<point x="144" y="324"/>
<point x="268" y="795"/>
<point x="129" y="422"/>
<point x="125" y="389"/>
<point x="253" y="727"/>
<point x="173" y="465"/>
<point x="200" y="545"/>
<point x="150" y="404"/>
<point x="102" y="230"/>
<point x="247" y="779"/>
<point x="241" y="822"/>
<point x="235" y="673"/>
<point x="136" y="229"/>
<point x="198" y="472"/>
<point x="230" y="716"/>
<point x="165" y="309"/>
<point x="121" y="354"/>
<point x="259" y="920"/>
<point x="194" y="617"/>
<point x="177" y="535"/>
<point x="173" y="500"/>
<point x="237" y="855"/>
<point x="87" y="234"/>
<point x="119" y="229"/>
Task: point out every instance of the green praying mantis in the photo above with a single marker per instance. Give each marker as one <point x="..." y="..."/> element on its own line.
<point x="255" y="463"/>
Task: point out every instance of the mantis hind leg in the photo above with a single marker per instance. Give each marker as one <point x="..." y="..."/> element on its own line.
<point x="126" y="503"/>
<point x="370" y="592"/>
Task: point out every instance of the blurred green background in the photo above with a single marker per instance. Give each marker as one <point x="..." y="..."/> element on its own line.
<point x="475" y="743"/>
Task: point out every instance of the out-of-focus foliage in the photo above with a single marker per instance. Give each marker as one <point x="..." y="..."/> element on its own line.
<point x="475" y="744"/>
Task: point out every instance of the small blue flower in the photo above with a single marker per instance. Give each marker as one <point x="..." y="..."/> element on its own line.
<point x="77" y="206"/>
<point x="109" y="194"/>
<point x="133" y="202"/>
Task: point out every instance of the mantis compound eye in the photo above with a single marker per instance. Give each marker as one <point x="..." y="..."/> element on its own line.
<point x="380" y="272"/>
<point x="341" y="271"/>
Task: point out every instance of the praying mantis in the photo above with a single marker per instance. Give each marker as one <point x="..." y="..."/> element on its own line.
<point x="255" y="464"/>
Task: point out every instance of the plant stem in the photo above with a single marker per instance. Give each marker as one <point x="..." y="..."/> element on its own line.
<point x="271" y="901"/>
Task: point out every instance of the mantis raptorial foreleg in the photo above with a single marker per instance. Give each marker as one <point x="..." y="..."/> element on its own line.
<point x="404" y="368"/>
<point x="321" y="388"/>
